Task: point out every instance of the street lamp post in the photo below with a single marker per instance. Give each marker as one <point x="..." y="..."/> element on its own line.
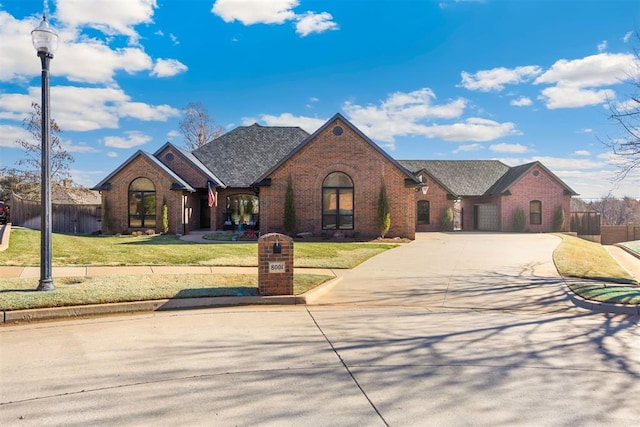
<point x="45" y="41"/>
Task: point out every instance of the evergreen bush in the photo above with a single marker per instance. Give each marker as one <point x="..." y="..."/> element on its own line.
<point x="558" y="219"/>
<point x="289" y="209"/>
<point x="446" y="220"/>
<point x="519" y="220"/>
<point x="384" y="216"/>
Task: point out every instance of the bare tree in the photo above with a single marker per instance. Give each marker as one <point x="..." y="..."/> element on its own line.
<point x="25" y="179"/>
<point x="617" y="211"/>
<point x="627" y="116"/>
<point x="198" y="127"/>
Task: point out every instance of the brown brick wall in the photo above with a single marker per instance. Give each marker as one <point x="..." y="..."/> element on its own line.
<point x="118" y="197"/>
<point x="350" y="154"/>
<point x="183" y="168"/>
<point x="531" y="187"/>
<point x="437" y="197"/>
<point x="274" y="283"/>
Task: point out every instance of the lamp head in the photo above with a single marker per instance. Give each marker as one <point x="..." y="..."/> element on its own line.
<point x="44" y="38"/>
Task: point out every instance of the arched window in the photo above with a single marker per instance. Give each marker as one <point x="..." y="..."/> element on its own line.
<point x="142" y="203"/>
<point x="535" y="212"/>
<point x="337" y="202"/>
<point x="424" y="214"/>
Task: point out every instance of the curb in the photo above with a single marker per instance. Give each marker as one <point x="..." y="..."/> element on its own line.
<point x="72" y="312"/>
<point x="5" y="232"/>
<point x="601" y="307"/>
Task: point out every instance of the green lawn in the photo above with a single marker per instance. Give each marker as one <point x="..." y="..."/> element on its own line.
<point x="24" y="250"/>
<point x="607" y="281"/>
<point x="19" y="294"/>
<point x="574" y="257"/>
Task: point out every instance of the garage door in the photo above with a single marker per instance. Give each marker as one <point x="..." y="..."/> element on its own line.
<point x="486" y="216"/>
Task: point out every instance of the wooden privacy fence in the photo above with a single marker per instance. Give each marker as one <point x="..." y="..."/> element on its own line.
<point x="65" y="218"/>
<point x="585" y="223"/>
<point x="612" y="234"/>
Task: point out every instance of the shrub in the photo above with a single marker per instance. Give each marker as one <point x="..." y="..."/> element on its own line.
<point x="384" y="216"/>
<point x="558" y="219"/>
<point x="289" y="209"/>
<point x="446" y="220"/>
<point x="519" y="220"/>
<point x="165" y="216"/>
<point x="106" y="217"/>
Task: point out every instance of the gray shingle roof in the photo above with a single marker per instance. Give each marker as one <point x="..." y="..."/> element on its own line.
<point x="475" y="177"/>
<point x="461" y="177"/>
<point x="239" y="157"/>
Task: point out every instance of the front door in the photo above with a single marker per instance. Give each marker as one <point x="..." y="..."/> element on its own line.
<point x="205" y="214"/>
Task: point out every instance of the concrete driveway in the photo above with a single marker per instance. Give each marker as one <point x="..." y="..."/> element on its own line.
<point x="398" y="342"/>
<point x="459" y="270"/>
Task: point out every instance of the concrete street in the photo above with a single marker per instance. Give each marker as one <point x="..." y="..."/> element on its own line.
<point x="449" y="330"/>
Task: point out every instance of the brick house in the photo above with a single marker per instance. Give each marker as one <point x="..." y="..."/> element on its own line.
<point x="336" y="175"/>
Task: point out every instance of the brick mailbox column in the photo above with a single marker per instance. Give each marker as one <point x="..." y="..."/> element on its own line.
<point x="275" y="264"/>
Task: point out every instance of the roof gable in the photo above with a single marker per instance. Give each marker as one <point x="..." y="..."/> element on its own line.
<point x="516" y="173"/>
<point x="178" y="182"/>
<point x="193" y="160"/>
<point x="239" y="157"/>
<point x="324" y="127"/>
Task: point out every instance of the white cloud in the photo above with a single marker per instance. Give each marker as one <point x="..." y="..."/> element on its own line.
<point x="173" y="134"/>
<point x="311" y="22"/>
<point x="412" y="114"/>
<point x="79" y="148"/>
<point x="132" y="139"/>
<point x="9" y="134"/>
<point x="18" y="56"/>
<point x="577" y="82"/>
<point x="112" y="154"/>
<point x="627" y="36"/>
<point x="523" y="101"/>
<point x="602" y="46"/>
<point x="468" y="148"/>
<point x="168" y="68"/>
<point x="596" y="70"/>
<point x="105" y="16"/>
<point x="86" y="178"/>
<point x="472" y="129"/>
<point x="582" y="153"/>
<point x="626" y="106"/>
<point x="509" y="148"/>
<point x="99" y="61"/>
<point x="251" y="12"/>
<point x="86" y="109"/>
<point x="309" y="124"/>
<point x="573" y="97"/>
<point x="496" y="78"/>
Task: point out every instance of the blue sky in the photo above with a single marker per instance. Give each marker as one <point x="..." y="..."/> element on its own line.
<point x="516" y="81"/>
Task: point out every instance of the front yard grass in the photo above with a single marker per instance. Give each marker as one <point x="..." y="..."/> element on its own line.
<point x="608" y="282"/>
<point x="24" y="250"/>
<point x="20" y="294"/>
<point x="68" y="250"/>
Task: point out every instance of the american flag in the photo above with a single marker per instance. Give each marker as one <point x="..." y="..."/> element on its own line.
<point x="212" y="197"/>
